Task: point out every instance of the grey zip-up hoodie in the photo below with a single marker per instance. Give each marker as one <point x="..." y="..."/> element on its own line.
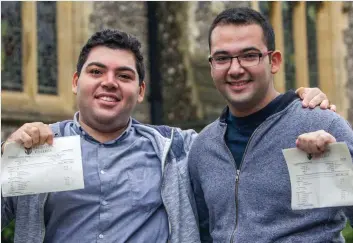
<point x="253" y="203"/>
<point x="171" y="146"/>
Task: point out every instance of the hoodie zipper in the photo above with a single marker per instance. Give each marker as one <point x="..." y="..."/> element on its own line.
<point x="241" y="163"/>
<point x="237" y="184"/>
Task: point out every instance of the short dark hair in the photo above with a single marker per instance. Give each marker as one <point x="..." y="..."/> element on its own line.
<point x="113" y="39"/>
<point x="245" y="16"/>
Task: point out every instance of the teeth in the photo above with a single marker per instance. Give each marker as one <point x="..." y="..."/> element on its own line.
<point x="239" y="83"/>
<point x="106" y="98"/>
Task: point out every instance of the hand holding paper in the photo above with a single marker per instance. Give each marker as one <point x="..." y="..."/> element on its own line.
<point x="45" y="168"/>
<point x="325" y="181"/>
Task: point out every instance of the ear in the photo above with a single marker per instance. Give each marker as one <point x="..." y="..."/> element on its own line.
<point x="276" y="61"/>
<point x="141" y="92"/>
<point x="211" y="70"/>
<point x="75" y="83"/>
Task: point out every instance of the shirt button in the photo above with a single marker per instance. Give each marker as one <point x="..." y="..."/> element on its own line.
<point x="102" y="171"/>
<point x="100" y="236"/>
<point x="104" y="203"/>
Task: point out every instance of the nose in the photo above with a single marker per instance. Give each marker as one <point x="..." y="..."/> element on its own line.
<point x="110" y="82"/>
<point x="235" y="67"/>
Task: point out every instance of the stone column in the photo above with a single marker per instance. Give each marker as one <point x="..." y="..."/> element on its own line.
<point x="348" y="39"/>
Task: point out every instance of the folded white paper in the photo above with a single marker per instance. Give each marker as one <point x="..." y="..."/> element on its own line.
<point x="326" y="181"/>
<point x="45" y="168"/>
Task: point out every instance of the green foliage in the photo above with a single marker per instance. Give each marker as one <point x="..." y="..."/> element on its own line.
<point x="348" y="233"/>
<point x="7" y="234"/>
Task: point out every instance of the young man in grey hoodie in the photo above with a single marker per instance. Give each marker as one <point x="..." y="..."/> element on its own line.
<point x="238" y="172"/>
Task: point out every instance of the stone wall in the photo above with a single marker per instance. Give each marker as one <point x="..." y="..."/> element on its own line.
<point x="348" y="38"/>
<point x="173" y="40"/>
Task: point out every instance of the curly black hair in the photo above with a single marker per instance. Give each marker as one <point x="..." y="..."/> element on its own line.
<point x="113" y="39"/>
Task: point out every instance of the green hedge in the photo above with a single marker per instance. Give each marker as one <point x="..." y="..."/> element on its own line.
<point x="7" y="234"/>
<point x="348" y="233"/>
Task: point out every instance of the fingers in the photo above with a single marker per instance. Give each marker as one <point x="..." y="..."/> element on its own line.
<point x="313" y="97"/>
<point x="318" y="99"/>
<point x="324" y="140"/>
<point x="46" y="136"/>
<point x="333" y="108"/>
<point x="325" y="104"/>
<point x="32" y="134"/>
<point x="301" y="92"/>
<point x="308" y="95"/>
<point x="26" y="140"/>
<point x="315" y="142"/>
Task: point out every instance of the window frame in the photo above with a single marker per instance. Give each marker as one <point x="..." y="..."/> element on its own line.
<point x="29" y="104"/>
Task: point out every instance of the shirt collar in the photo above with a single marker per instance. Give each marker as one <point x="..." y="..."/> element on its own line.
<point x="80" y="131"/>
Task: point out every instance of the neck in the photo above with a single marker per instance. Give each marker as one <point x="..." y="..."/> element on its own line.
<point x="103" y="136"/>
<point x="251" y="109"/>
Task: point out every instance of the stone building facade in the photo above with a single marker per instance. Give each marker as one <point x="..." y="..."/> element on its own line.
<point x="187" y="97"/>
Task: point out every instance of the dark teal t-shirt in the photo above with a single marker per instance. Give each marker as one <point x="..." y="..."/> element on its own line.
<point x="240" y="129"/>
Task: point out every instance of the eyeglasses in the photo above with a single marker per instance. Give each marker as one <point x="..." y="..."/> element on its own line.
<point x="222" y="62"/>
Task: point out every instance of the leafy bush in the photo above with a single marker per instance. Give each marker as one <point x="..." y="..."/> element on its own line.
<point x="8" y="232"/>
<point x="348" y="233"/>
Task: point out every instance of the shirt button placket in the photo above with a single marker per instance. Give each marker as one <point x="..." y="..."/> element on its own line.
<point x="103" y="182"/>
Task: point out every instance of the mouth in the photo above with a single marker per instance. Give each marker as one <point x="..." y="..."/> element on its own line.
<point x="239" y="85"/>
<point x="110" y="98"/>
<point x="107" y="98"/>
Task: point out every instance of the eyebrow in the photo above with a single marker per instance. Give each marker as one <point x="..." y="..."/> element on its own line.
<point x="101" y="65"/>
<point x="251" y="48"/>
<point x="220" y="53"/>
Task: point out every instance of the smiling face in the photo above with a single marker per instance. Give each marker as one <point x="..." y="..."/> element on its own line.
<point x="246" y="89"/>
<point x="107" y="89"/>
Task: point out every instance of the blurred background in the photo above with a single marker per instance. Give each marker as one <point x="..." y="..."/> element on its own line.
<point x="41" y="42"/>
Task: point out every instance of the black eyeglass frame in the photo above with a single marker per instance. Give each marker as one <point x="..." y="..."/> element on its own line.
<point x="261" y="55"/>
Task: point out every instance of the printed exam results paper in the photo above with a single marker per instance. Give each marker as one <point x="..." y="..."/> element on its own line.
<point x="326" y="181"/>
<point x="45" y="168"/>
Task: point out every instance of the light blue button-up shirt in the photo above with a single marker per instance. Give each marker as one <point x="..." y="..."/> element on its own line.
<point x="121" y="201"/>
